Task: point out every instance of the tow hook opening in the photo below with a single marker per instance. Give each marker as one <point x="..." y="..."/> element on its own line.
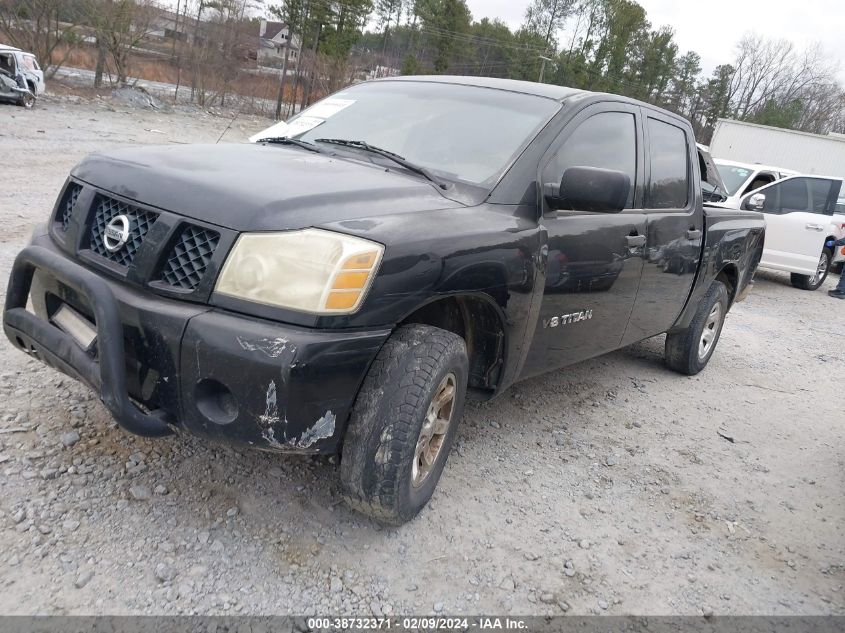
<point x="215" y="401"/>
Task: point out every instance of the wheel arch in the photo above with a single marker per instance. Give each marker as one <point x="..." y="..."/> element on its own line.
<point x="478" y="320"/>
<point x="729" y="275"/>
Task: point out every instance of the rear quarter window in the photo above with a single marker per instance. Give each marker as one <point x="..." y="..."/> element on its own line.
<point x="669" y="182"/>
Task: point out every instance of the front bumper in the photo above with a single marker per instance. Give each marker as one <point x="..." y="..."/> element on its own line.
<point x="160" y="364"/>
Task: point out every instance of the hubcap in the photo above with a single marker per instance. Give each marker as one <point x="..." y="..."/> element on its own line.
<point x="711" y="330"/>
<point x="820" y="270"/>
<point x="434" y="430"/>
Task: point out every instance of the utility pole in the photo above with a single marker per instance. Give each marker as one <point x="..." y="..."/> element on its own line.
<point x="543" y="68"/>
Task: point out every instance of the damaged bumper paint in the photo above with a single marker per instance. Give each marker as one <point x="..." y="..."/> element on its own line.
<point x="218" y="374"/>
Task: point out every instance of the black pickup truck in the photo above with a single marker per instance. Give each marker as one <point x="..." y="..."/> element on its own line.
<point x="342" y="284"/>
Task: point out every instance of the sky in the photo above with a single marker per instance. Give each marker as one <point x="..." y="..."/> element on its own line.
<point x="711" y="28"/>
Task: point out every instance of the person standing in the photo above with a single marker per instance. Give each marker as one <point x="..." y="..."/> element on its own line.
<point x="839" y="291"/>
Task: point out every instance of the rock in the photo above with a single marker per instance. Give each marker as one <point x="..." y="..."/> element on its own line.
<point x="569" y="572"/>
<point x="232" y="511"/>
<point x="531" y="556"/>
<point x="335" y="585"/>
<point x="610" y="460"/>
<point x="19" y="515"/>
<point x="83" y="578"/>
<point x="202" y="537"/>
<point x="563" y="605"/>
<point x="140" y="492"/>
<point x="160" y="490"/>
<point x="495" y="424"/>
<point x="584" y="543"/>
<point x="50" y="473"/>
<point x="547" y="598"/>
<point x="602" y="605"/>
<point x="70" y="525"/>
<point x="70" y="438"/>
<point x="165" y="572"/>
<point x="44" y="529"/>
<point x="507" y="583"/>
<point x="438" y="607"/>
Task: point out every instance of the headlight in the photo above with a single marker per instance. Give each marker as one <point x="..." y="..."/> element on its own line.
<point x="311" y="270"/>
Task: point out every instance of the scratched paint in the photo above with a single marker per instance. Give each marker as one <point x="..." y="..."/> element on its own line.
<point x="323" y="428"/>
<point x="272" y="347"/>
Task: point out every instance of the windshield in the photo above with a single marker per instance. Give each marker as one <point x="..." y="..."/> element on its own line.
<point x="733" y="176"/>
<point x="460" y="132"/>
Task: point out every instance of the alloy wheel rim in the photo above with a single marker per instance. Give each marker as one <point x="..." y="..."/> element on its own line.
<point x="438" y="419"/>
<point x="821" y="269"/>
<point x="711" y="330"/>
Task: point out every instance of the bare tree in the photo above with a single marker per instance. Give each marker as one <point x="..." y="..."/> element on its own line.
<point x="40" y="26"/>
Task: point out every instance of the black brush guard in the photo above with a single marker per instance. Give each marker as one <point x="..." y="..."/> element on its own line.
<point x="105" y="374"/>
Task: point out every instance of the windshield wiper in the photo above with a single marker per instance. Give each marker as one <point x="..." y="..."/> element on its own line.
<point x="286" y="140"/>
<point x="396" y="158"/>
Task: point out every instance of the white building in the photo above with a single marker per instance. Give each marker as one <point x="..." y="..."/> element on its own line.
<point x="273" y="39"/>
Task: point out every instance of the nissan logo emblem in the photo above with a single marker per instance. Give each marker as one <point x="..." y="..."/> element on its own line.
<point x="116" y="233"/>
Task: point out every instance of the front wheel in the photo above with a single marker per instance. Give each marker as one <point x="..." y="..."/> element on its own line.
<point x="27" y="100"/>
<point x="404" y="422"/>
<point x="689" y="350"/>
<point x="812" y="282"/>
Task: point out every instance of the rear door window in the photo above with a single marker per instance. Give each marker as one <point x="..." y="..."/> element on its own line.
<point x="669" y="184"/>
<point x="820" y="193"/>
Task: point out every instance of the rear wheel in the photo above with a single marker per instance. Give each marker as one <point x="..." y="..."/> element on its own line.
<point x="689" y="350"/>
<point x="812" y="282"/>
<point x="404" y="422"/>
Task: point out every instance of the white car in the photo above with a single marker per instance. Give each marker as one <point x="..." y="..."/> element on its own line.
<point x="802" y="218"/>
<point x="742" y="178"/>
<point x="14" y="61"/>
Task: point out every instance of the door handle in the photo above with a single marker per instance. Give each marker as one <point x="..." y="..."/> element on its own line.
<point x="635" y="240"/>
<point x="814" y="227"/>
<point x="693" y="234"/>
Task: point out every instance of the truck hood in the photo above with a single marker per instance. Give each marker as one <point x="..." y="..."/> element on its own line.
<point x="248" y="187"/>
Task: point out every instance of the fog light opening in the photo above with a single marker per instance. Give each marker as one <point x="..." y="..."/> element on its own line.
<point x="215" y="401"/>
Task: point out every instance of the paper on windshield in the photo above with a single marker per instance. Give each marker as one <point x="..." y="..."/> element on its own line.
<point x="329" y="107"/>
<point x="317" y="114"/>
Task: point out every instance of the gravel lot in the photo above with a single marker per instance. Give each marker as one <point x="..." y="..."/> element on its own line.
<point x="602" y="488"/>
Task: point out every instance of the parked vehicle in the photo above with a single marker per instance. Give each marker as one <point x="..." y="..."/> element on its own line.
<point x="344" y="284"/>
<point x="802" y="152"/>
<point x="801" y="221"/>
<point x="21" y="79"/>
<point x="742" y="178"/>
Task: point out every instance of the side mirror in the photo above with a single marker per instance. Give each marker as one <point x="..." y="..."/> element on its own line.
<point x="756" y="202"/>
<point x="592" y="189"/>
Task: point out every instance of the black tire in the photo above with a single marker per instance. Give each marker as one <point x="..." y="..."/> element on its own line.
<point x="27" y="100"/>
<point x="809" y="282"/>
<point x="379" y="451"/>
<point x="682" y="348"/>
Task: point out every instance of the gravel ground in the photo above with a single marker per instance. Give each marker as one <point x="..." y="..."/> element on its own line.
<point x="607" y="487"/>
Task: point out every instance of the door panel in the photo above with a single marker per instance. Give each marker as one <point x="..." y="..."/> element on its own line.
<point x="798" y="214"/>
<point x="674" y="229"/>
<point x="594" y="260"/>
